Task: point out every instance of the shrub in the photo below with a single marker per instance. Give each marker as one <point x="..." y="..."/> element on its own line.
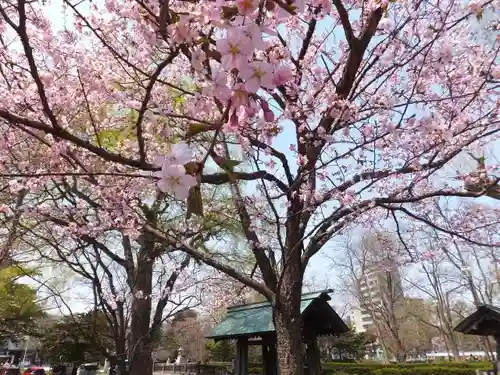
<point x="374" y="368"/>
<point x="349" y="370"/>
<point x="379" y="365"/>
<point x="428" y="370"/>
<point x="446" y="368"/>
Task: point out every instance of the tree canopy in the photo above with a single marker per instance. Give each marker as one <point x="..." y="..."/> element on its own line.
<point x="348" y="346"/>
<point x="78" y="338"/>
<point x="19" y="310"/>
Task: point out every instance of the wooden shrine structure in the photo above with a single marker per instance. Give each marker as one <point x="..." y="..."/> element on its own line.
<point x="485" y="321"/>
<point x="252" y="324"/>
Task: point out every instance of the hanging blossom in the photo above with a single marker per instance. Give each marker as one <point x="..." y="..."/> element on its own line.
<point x="173" y="178"/>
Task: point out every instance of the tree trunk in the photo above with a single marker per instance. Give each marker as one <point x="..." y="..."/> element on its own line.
<point x="287" y="322"/>
<point x="140" y="349"/>
<point x="452" y="344"/>
<point x="289" y="343"/>
<point x="400" y="351"/>
<point x="393" y="328"/>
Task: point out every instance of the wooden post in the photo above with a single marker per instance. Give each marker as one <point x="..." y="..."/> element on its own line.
<point x="497" y="362"/>
<point x="269" y="357"/>
<point x="241" y="367"/>
<point x="313" y="357"/>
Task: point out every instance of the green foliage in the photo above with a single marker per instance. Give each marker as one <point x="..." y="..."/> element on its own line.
<point x="379" y="365"/>
<point x="78" y="338"/>
<point x="427" y="370"/>
<point x="113" y="138"/>
<point x="221" y="351"/>
<point x="178" y="95"/>
<point x="19" y="309"/>
<point x="377" y="368"/>
<point x="444" y="368"/>
<point x="350" y="345"/>
<point x="197" y="128"/>
<point x="342" y="368"/>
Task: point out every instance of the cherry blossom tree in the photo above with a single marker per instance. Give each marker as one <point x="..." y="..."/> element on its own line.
<point x="135" y="284"/>
<point x="135" y="281"/>
<point x="312" y="114"/>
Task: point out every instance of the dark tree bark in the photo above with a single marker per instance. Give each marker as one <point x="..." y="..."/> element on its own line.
<point x="289" y="342"/>
<point x="140" y="349"/>
<point x="287" y="320"/>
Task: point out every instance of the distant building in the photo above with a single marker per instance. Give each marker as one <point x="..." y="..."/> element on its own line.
<point x="360" y="321"/>
<point x="379" y="285"/>
<point x="17" y="349"/>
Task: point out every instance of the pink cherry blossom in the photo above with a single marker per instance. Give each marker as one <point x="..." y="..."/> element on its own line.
<point x="428" y="255"/>
<point x="283" y="74"/>
<point x="180" y="31"/>
<point x="474" y="6"/>
<point x="302" y="160"/>
<point x="211" y="12"/>
<point x="240" y="96"/>
<point x="220" y="89"/>
<point x="269" y="116"/>
<point x="180" y="153"/>
<point x="348" y="198"/>
<point x="253" y="32"/>
<point x="271" y="164"/>
<point x="197" y="58"/>
<point x="256" y="75"/>
<point x="175" y="181"/>
<point x="235" y="50"/>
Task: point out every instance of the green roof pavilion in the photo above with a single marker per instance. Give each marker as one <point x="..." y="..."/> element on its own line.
<point x="252" y="324"/>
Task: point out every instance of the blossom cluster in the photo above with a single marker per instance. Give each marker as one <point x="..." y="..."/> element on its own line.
<point x="172" y="176"/>
<point x="247" y="72"/>
<point x="276" y="80"/>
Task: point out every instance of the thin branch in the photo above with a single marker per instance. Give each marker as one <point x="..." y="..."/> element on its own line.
<point x="145" y="101"/>
<point x="209" y="260"/>
<point x="346" y="24"/>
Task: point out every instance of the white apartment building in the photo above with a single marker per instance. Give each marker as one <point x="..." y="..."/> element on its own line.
<point x="378" y="285"/>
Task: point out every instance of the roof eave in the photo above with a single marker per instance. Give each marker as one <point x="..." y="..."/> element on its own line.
<point x="467" y="325"/>
<point x="235" y="337"/>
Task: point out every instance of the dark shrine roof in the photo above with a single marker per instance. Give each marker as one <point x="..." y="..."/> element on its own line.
<point x="485" y="321"/>
<point x="256" y="319"/>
